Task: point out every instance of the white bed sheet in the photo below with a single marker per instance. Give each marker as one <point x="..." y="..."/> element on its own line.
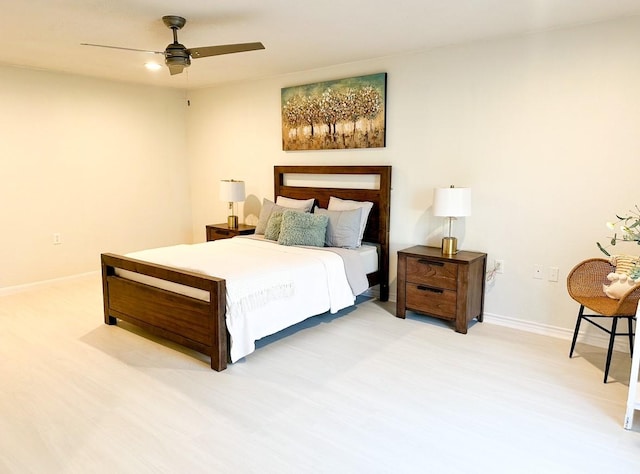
<point x="367" y="252"/>
<point x="369" y="257"/>
<point x="269" y="287"/>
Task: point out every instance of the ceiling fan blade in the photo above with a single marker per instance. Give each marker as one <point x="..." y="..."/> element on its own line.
<point x="126" y="49"/>
<point x="206" y="51"/>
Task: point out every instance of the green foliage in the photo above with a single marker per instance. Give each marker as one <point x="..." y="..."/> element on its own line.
<point x="604" y="251"/>
<point x="629" y="226"/>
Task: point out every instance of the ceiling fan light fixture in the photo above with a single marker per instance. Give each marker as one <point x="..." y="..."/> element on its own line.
<point x="153" y="66"/>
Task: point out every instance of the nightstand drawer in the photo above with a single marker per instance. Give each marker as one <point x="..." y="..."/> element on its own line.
<point x="432" y="273"/>
<point x="222" y="231"/>
<point x="216" y="234"/>
<point x="431" y="300"/>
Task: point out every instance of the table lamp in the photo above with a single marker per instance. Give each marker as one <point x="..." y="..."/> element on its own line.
<point x="451" y="203"/>
<point x="232" y="191"/>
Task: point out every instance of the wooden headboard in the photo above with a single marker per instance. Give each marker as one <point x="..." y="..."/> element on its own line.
<point x="377" y="230"/>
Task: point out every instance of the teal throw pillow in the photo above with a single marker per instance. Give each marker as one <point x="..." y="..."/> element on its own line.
<point x="272" y="232"/>
<point x="303" y="229"/>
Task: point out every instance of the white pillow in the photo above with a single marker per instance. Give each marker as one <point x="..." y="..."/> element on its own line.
<point x="337" y="204"/>
<point x="343" y="229"/>
<point x="306" y="204"/>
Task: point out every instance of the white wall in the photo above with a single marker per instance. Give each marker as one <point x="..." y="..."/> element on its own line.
<point x="545" y="129"/>
<point x="101" y="163"/>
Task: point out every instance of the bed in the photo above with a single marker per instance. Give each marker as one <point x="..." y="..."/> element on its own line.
<point x="200" y="323"/>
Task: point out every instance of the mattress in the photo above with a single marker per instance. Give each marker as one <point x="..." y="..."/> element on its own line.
<point x="367" y="254"/>
<point x="269" y="286"/>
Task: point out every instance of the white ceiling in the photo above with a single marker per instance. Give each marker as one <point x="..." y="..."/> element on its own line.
<point x="298" y="35"/>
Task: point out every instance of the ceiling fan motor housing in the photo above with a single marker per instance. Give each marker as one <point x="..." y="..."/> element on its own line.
<point x="176" y="54"/>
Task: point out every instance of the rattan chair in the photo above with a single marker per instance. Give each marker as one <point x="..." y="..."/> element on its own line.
<point x="584" y="284"/>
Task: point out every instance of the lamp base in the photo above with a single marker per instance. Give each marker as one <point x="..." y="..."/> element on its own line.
<point x="449" y="246"/>
<point x="232" y="222"/>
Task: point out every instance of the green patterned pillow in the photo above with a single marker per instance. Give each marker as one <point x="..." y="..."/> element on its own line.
<point x="268" y="208"/>
<point x="303" y="229"/>
<point x="272" y="232"/>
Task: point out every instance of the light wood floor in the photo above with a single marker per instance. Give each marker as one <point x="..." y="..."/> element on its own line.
<point x="364" y="392"/>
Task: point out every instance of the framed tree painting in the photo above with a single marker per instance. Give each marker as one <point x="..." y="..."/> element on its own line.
<point x="345" y="113"/>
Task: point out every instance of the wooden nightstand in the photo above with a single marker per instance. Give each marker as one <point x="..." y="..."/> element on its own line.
<point x="447" y="287"/>
<point x="222" y="231"/>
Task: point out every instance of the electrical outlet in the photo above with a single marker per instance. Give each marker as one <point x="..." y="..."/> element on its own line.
<point x="499" y="266"/>
<point x="57" y="238"/>
<point x="553" y="273"/>
<point x="537" y="272"/>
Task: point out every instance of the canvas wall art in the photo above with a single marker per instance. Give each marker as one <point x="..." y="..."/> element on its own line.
<point x="345" y="113"/>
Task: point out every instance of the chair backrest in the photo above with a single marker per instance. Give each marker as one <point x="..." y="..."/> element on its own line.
<point x="585" y="280"/>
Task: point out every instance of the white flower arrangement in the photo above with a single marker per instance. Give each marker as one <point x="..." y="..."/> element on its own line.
<point x="625" y="229"/>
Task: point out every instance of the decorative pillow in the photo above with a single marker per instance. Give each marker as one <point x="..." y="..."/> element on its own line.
<point x="272" y="232"/>
<point x="337" y="204"/>
<point x="269" y="207"/>
<point x="302" y="228"/>
<point x="624" y="263"/>
<point x="343" y="229"/>
<point x="623" y="278"/>
<point x="305" y="204"/>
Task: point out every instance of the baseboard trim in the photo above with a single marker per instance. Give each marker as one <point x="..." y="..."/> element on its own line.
<point x="585" y="336"/>
<point x="10" y="290"/>
<point x="374" y="292"/>
<point x="528" y="326"/>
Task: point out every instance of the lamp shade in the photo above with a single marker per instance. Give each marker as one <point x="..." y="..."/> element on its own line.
<point x="232" y="191"/>
<point x="452" y="202"/>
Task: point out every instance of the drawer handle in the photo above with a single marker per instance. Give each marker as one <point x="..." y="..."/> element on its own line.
<point x="428" y="288"/>
<point x="429" y="262"/>
<point x="222" y="232"/>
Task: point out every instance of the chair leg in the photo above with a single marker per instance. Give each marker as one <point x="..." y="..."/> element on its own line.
<point x="610" y="350"/>
<point x="630" y="321"/>
<point x="575" y="333"/>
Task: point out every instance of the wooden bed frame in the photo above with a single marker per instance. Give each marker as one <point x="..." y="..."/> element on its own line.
<point x="200" y="325"/>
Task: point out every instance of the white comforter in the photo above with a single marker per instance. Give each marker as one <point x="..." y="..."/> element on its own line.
<point x="269" y="286"/>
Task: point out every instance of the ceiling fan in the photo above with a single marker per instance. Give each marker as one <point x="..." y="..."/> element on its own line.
<point x="177" y="56"/>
